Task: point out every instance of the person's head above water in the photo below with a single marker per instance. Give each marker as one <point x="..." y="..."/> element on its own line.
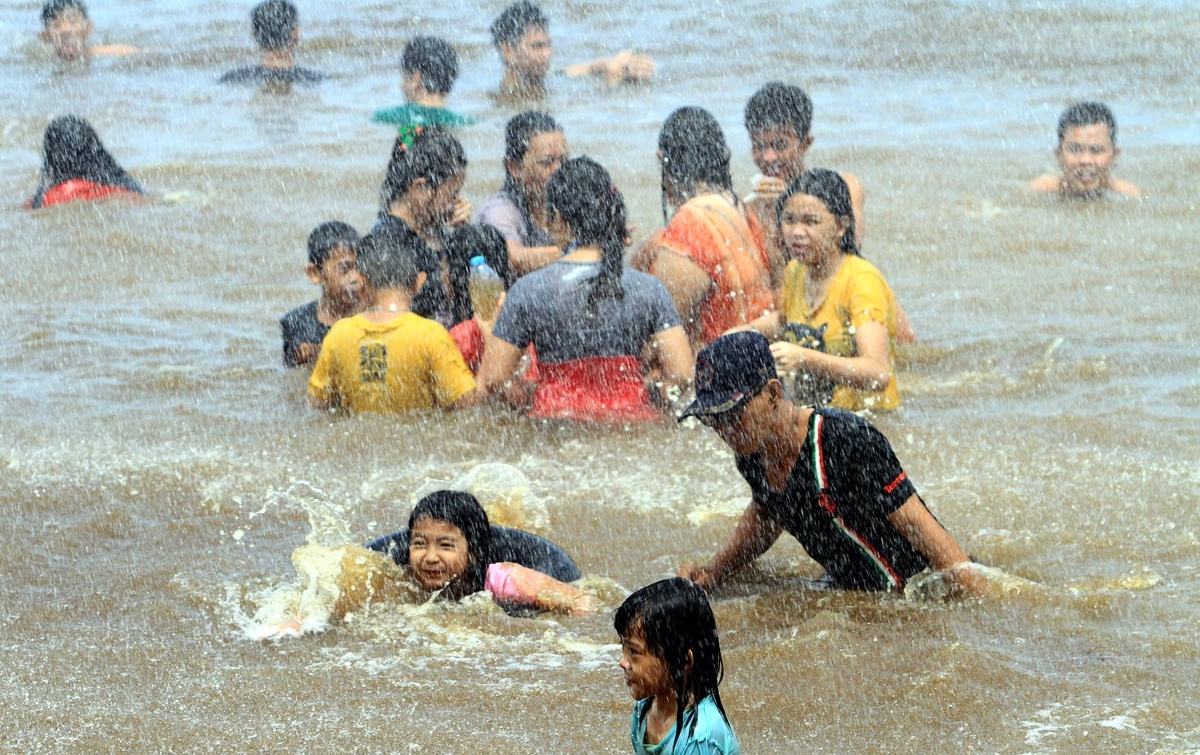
<point x="521" y="34"/>
<point x="66" y="27"/>
<point x="671" y="621"/>
<point x="830" y="189"/>
<point x="1086" y="149"/>
<point x="778" y="118"/>
<point x="582" y="197"/>
<point x="731" y="371"/>
<point x="691" y="151"/>
<point x="449" y="543"/>
<point x="534" y="148"/>
<point x="429" y="63"/>
<point x="426" y="170"/>
<point x="276" y="25"/>
<point x="72" y="150"/>
<point x="387" y="260"/>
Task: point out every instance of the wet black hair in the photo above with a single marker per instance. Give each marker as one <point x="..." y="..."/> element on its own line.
<point x="674" y="618"/>
<point x="428" y="152"/>
<point x="434" y="59"/>
<point x="829" y="187"/>
<point x="464" y="512"/>
<point x="462" y="244"/>
<point x="693" y="150"/>
<point x="274" y="23"/>
<point x="777" y="104"/>
<point x="387" y="259"/>
<point x="515" y="20"/>
<point x="518" y="133"/>
<point x="72" y="150"/>
<point x="325" y="237"/>
<point x="1087" y="114"/>
<point x="583" y="194"/>
<point x="53" y="8"/>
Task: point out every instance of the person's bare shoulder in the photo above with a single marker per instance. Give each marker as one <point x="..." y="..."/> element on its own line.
<point x="114" y="51"/>
<point x="1124" y="188"/>
<point x="854" y="185"/>
<point x="1045" y="185"/>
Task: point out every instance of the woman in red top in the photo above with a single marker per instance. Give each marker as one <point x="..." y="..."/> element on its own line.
<point x="75" y="166"/>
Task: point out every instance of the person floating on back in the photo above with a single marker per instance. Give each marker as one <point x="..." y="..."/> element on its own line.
<point x="76" y="166"/>
<point x="388" y="359"/>
<point x="824" y="475"/>
<point x="522" y="37"/>
<point x="671" y="660"/>
<point x="276" y="28"/>
<point x="430" y="68"/>
<point x="67" y="29"/>
<point x="332" y="265"/>
<point x="1086" y="153"/>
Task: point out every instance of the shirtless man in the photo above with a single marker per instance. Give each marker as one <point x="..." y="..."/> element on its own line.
<point x="1086" y="152"/>
<point x="522" y="36"/>
<point x="778" y="118"/>
<point x="67" y="28"/>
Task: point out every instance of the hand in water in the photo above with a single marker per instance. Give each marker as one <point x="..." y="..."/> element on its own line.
<point x="628" y="66"/>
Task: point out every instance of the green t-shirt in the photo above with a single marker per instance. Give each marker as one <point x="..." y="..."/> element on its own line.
<point x="409" y="114"/>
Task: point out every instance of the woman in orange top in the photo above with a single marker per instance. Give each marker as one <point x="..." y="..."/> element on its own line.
<point x="712" y="255"/>
<point x="75" y="166"/>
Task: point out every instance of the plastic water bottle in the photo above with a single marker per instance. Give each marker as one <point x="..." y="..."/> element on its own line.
<point x="486" y="287"/>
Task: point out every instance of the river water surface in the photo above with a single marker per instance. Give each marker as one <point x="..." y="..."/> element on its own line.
<point x="159" y="465"/>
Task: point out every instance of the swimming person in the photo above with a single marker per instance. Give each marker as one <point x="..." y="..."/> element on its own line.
<point x="671" y="660"/>
<point x="449" y="551"/>
<point x="521" y="34"/>
<point x="450" y="547"/>
<point x="430" y="67"/>
<point x="844" y="349"/>
<point x="590" y="318"/>
<point x="711" y="255"/>
<point x="67" y="29"/>
<point x="332" y="265"/>
<point x="824" y="475"/>
<point x="276" y="28"/>
<point x="1086" y="153"/>
<point x="76" y="166"/>
<point x="534" y="148"/>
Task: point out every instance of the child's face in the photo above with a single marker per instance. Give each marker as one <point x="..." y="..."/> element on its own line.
<point x="437" y="203"/>
<point x="646" y="674"/>
<point x="339" y="277"/>
<point x="437" y="553"/>
<point x="68" y="34"/>
<point x="546" y="154"/>
<point x="1085" y="158"/>
<point x="779" y="152"/>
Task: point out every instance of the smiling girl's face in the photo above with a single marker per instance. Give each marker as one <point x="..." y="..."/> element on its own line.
<point x="437" y="553"/>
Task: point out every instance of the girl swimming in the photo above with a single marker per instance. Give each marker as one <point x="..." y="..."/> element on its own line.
<point x="671" y="659"/>
<point x="449" y="550"/>
<point x="76" y="166"/>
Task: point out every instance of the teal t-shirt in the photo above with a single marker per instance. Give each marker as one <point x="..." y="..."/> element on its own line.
<point x="409" y="114"/>
<point x="712" y="734"/>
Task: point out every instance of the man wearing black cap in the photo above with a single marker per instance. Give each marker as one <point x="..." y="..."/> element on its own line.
<point x="825" y="475"/>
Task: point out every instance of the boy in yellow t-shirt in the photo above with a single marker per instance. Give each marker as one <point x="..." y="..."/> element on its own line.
<point x="388" y="359"/>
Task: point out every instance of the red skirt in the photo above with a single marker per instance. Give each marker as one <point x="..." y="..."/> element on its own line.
<point x="594" y="389"/>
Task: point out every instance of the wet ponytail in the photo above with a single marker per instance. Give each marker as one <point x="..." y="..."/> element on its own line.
<point x="582" y="192"/>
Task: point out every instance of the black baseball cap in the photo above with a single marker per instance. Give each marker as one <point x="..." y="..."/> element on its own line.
<point x="729" y="372"/>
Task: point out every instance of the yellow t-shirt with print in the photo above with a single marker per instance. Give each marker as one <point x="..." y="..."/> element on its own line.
<point x="407" y="363"/>
<point x="857" y="294"/>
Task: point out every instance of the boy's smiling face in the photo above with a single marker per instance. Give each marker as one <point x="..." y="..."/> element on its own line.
<point x="339" y="277"/>
<point x="1085" y="159"/>
<point x="68" y="34"/>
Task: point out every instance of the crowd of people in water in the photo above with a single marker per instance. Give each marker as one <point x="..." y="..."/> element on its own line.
<point x="757" y="310"/>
